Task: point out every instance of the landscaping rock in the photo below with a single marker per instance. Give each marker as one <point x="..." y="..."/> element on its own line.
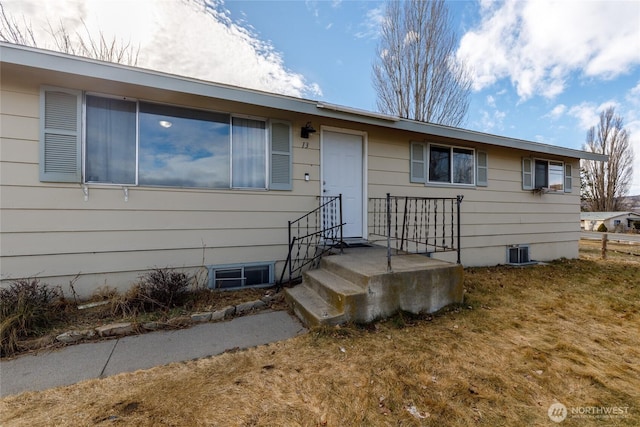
<point x="73" y="336"/>
<point x="115" y="329"/>
<point x="270" y="298"/>
<point x="201" y="317"/>
<point x="180" y="321"/>
<point x="152" y="326"/>
<point x="222" y="313"/>
<point x="217" y="315"/>
<point x="246" y="307"/>
<point x="37" y="343"/>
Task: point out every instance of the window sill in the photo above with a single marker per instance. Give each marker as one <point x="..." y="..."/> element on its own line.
<point x="170" y="188"/>
<point x="544" y="190"/>
<point x="449" y="185"/>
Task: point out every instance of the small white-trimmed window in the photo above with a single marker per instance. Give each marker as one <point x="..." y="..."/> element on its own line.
<point x="518" y="255"/>
<point x="441" y="164"/>
<point x="233" y="276"/>
<point x="548" y="175"/>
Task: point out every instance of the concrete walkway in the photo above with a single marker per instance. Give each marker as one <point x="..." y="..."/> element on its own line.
<point x="80" y="362"/>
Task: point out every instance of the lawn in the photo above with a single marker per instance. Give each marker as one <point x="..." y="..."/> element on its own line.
<point x="525" y="338"/>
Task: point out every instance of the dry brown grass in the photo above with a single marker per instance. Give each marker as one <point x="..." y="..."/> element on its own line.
<point x="524" y="338"/>
<point x="615" y="250"/>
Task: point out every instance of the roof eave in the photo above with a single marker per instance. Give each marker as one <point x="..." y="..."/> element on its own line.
<point x="64" y="63"/>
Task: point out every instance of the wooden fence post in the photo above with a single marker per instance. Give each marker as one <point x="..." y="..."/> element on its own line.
<point x="604" y="245"/>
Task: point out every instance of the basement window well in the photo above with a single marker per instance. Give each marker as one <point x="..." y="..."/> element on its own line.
<point x="237" y="276"/>
<point x="519" y="255"/>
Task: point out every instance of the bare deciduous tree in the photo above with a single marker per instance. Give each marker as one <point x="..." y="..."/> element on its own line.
<point x="606" y="183"/>
<point x="11" y="31"/>
<point x="77" y="44"/>
<point x="416" y="75"/>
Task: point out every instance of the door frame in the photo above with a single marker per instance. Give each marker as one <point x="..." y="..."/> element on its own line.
<point x="365" y="168"/>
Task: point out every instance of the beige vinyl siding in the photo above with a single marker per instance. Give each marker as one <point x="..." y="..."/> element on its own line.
<point x="495" y="216"/>
<point x="49" y="230"/>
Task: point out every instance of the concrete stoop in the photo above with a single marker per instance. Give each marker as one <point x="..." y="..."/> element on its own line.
<point x="356" y="286"/>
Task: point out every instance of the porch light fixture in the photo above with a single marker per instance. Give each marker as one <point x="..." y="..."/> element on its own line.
<point x="306" y="130"/>
<point x="165" y="124"/>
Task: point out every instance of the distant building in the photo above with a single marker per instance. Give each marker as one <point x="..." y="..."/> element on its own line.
<point x="614" y="221"/>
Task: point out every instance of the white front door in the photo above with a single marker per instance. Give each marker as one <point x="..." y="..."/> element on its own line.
<point x="342" y="174"/>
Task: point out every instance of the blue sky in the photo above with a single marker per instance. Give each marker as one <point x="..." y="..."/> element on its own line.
<point x="333" y="44"/>
<point x="542" y="70"/>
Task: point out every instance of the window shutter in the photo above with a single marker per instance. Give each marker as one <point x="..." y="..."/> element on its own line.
<point x="482" y="166"/>
<point x="418" y="163"/>
<point x="60" y="135"/>
<point x="527" y="173"/>
<point x="568" y="178"/>
<point x="281" y="156"/>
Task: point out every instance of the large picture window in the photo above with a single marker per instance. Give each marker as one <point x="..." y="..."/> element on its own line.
<point x="180" y="147"/>
<point x="90" y="138"/>
<point x="445" y="165"/>
<point x="248" y="142"/>
<point x="111" y="141"/>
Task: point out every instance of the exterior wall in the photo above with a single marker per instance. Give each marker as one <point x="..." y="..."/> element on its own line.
<point x="492" y="217"/>
<point x="49" y="231"/>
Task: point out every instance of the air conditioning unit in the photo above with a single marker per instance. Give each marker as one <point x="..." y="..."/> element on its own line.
<point x="518" y="254"/>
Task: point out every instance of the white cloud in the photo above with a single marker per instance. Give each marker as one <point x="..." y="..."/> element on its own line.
<point x="557" y="111"/>
<point x="491" y="121"/>
<point x="312" y="6"/>
<point x="537" y="44"/>
<point x="491" y="101"/>
<point x="588" y="113"/>
<point x="370" y="27"/>
<point x="212" y="46"/>
<point x="633" y="97"/>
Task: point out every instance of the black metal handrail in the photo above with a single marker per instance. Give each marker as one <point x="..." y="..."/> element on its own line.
<point x="311" y="236"/>
<point x="416" y="224"/>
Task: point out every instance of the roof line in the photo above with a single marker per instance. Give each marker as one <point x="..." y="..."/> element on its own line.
<point x="65" y="63"/>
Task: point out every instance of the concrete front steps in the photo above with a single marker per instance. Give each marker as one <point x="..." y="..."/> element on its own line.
<point x="356" y="286"/>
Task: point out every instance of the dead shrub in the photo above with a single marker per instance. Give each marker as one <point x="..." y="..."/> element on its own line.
<point x="164" y="288"/>
<point x="160" y="288"/>
<point x="27" y="307"/>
